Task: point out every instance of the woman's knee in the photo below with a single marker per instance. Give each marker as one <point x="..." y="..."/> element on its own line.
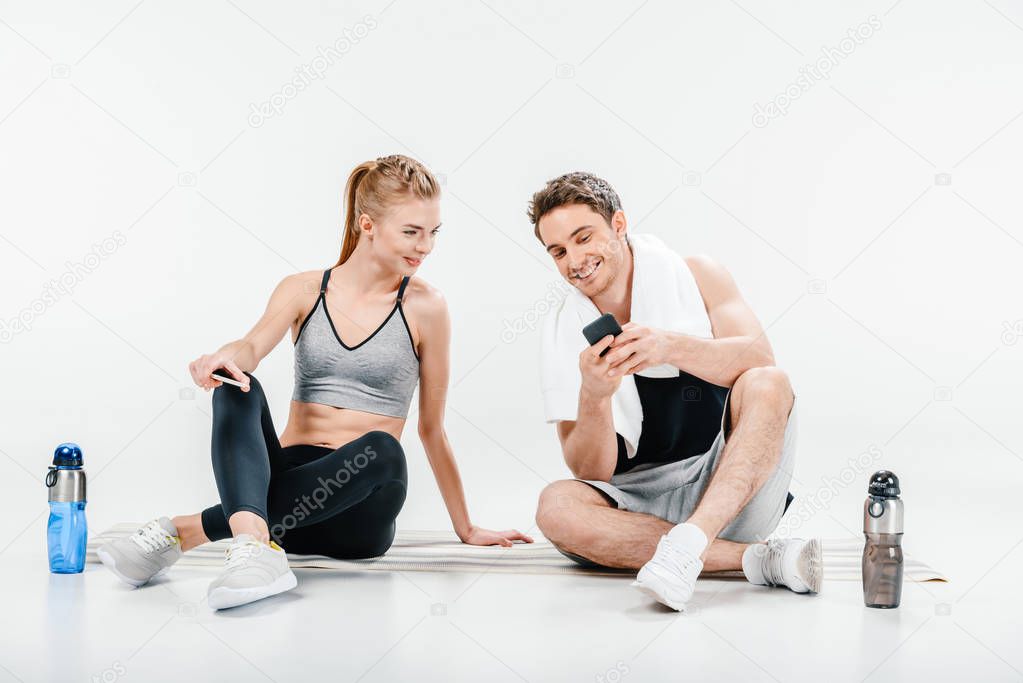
<point x="229" y="395"/>
<point x="385" y="452"/>
<point x="373" y="546"/>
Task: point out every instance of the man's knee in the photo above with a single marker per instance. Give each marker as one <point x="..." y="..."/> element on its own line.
<point x="556" y="511"/>
<point x="767" y="386"/>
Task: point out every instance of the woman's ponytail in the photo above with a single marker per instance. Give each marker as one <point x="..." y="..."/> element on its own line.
<point x="352" y="212"/>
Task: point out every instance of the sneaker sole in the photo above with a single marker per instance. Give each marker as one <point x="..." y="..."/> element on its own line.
<point x="811" y="565"/>
<point x="110" y="563"/>
<point x="652" y="593"/>
<point x="225" y="598"/>
<point x="652" y="585"/>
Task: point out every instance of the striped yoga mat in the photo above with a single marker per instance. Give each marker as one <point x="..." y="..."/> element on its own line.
<point x="440" y="551"/>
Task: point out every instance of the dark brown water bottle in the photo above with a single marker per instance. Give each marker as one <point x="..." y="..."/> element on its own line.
<point x="882" y="552"/>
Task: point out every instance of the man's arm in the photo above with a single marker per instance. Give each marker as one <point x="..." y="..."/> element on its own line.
<point x="589" y="443"/>
<point x="739" y="341"/>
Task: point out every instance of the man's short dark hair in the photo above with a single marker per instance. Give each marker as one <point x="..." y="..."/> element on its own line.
<point x="578" y="187"/>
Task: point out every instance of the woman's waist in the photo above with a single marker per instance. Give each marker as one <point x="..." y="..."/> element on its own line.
<point x="322" y="425"/>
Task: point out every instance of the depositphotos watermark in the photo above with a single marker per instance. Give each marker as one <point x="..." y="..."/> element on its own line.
<point x="74" y="273"/>
<point x="319" y="495"/>
<point x="556" y="293"/>
<point x="315" y="70"/>
<point x="805" y="507"/>
<point x="110" y="674"/>
<point x="1012" y="332"/>
<point x="819" y="70"/>
<point x="527" y="322"/>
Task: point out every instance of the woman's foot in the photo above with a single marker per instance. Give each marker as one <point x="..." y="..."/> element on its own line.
<point x="190" y="531"/>
<point x="146" y="554"/>
<point x="253" y="571"/>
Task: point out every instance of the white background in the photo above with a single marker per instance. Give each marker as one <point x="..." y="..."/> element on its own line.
<point x="890" y="296"/>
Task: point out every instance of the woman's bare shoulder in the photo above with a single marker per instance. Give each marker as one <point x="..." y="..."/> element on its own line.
<point x="307" y="281"/>
<point x="424" y="300"/>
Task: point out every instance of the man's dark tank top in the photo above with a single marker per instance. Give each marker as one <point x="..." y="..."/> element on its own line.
<point x="681" y="419"/>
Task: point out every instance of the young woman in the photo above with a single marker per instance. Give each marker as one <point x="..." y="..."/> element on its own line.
<point x="335" y="481"/>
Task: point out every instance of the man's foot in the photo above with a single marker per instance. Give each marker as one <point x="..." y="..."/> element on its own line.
<point x="254" y="571"/>
<point x="146" y="554"/>
<point x="670" y="575"/>
<point x="793" y="562"/>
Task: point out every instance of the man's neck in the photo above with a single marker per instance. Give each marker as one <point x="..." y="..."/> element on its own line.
<point x="617" y="299"/>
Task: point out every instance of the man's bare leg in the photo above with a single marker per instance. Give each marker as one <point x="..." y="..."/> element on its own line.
<point x="760" y="405"/>
<point x="579" y="519"/>
<point x="761" y="401"/>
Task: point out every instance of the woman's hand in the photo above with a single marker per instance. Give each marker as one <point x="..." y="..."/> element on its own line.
<point x="479" y="536"/>
<point x="204" y="365"/>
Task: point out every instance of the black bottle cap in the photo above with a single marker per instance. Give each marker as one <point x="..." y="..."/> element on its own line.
<point x="67" y="455"/>
<point x="884" y="484"/>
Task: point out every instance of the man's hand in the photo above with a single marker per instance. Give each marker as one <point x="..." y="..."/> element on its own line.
<point x="637" y="348"/>
<point x="596" y="382"/>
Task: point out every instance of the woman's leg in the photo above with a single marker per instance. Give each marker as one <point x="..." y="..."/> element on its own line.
<point x="252" y="479"/>
<point x="364" y="530"/>
<point x="371" y="466"/>
<point x="190" y="531"/>
<point x="244" y="447"/>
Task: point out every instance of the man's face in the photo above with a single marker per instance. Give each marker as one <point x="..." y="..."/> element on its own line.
<point x="588" y="252"/>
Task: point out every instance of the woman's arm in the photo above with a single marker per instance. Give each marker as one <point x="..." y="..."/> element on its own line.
<point x="243" y="355"/>
<point x="434" y="370"/>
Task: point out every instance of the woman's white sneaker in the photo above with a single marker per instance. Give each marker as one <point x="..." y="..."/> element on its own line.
<point x="253" y="571"/>
<point x="146" y="554"/>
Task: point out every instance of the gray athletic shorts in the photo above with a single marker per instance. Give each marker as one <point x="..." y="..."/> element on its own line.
<point x="672" y="490"/>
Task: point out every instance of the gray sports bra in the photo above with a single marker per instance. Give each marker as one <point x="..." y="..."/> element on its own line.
<point x="378" y="375"/>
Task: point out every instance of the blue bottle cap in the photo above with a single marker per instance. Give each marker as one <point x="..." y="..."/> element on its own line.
<point x="67" y="455"/>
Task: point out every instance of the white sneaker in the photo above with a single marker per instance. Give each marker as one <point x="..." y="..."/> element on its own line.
<point x="669" y="577"/>
<point x="146" y="554"/>
<point x="253" y="571"/>
<point x="792" y="562"/>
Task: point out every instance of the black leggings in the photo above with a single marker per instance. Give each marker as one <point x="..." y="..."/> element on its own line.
<point x="316" y="500"/>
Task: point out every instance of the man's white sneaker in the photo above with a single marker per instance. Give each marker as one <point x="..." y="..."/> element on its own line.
<point x="792" y="562"/>
<point x="670" y="575"/>
<point x="146" y="554"/>
<point x="253" y="571"/>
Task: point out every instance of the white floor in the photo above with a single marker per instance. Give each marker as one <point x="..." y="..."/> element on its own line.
<point x="497" y="627"/>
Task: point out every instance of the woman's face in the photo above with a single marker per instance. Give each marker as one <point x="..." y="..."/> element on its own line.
<point x="405" y="234"/>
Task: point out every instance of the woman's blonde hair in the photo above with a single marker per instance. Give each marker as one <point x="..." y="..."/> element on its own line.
<point x="374" y="186"/>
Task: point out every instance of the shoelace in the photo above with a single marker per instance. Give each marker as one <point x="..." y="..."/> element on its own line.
<point x="239" y="553"/>
<point x="771" y="562"/>
<point x="682" y="559"/>
<point x="152" y="537"/>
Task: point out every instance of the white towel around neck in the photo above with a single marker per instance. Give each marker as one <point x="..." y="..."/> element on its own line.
<point x="664" y="296"/>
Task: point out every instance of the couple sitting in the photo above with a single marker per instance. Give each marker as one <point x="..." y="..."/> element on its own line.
<point x="638" y="424"/>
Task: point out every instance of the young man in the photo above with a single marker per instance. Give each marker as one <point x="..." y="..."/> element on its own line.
<point x="680" y="431"/>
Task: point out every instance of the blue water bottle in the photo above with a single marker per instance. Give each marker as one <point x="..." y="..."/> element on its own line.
<point x="66" y="533"/>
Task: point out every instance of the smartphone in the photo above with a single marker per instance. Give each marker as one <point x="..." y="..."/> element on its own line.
<point x="600" y="328"/>
<point x="217" y="374"/>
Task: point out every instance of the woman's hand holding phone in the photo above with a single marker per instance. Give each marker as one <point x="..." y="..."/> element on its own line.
<point x="206" y="368"/>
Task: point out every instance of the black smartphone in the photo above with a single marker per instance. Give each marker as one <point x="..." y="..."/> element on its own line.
<point x="600" y="328"/>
